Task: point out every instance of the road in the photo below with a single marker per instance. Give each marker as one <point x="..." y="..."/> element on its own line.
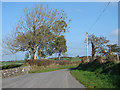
<point x="54" y="79"/>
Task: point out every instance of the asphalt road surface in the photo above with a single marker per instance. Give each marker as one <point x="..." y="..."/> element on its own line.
<point x="54" y="79"/>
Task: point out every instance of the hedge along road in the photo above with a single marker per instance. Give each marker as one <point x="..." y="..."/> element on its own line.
<point x="54" y="79"/>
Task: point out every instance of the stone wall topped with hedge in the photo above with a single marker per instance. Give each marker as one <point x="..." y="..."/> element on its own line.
<point x="14" y="71"/>
<point x="49" y="62"/>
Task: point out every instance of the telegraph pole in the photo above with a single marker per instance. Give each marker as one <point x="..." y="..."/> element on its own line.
<point x="87" y="44"/>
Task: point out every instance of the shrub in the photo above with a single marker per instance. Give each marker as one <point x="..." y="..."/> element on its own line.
<point x="111" y="57"/>
<point x="49" y="62"/>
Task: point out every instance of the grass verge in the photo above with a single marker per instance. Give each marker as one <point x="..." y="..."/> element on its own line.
<point x="90" y="80"/>
<point x="98" y="75"/>
<point x="36" y="69"/>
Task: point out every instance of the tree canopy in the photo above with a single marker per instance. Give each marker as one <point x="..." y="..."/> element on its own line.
<point x="60" y="45"/>
<point x="37" y="30"/>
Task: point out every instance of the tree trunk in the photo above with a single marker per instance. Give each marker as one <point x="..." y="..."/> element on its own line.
<point x="40" y="54"/>
<point x="35" y="55"/>
<point x="59" y="55"/>
<point x="93" y="50"/>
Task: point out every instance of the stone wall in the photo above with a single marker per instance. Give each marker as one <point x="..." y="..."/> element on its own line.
<point x="14" y="71"/>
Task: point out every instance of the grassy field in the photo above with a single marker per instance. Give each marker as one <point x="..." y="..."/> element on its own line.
<point x="36" y="69"/>
<point x="68" y="58"/>
<point x="96" y="75"/>
<point x="12" y="62"/>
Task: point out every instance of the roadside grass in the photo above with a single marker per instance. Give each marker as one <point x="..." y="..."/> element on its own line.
<point x="90" y="80"/>
<point x="97" y="75"/>
<point x="37" y="69"/>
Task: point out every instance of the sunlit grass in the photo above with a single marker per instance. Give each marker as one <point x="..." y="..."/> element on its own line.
<point x="98" y="75"/>
<point x="37" y="69"/>
<point x="90" y="80"/>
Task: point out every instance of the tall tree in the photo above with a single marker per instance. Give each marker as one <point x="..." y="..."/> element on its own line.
<point x="36" y="30"/>
<point x="98" y="44"/>
<point x="60" y="45"/>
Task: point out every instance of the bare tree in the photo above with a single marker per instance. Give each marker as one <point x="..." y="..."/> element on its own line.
<point x="98" y="44"/>
<point x="36" y="30"/>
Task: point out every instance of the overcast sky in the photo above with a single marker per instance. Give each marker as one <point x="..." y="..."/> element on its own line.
<point x="82" y="14"/>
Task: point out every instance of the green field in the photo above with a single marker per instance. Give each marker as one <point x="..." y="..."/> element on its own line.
<point x="12" y="62"/>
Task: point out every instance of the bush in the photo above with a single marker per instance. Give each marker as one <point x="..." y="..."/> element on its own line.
<point x="111" y="57"/>
<point x="49" y="62"/>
